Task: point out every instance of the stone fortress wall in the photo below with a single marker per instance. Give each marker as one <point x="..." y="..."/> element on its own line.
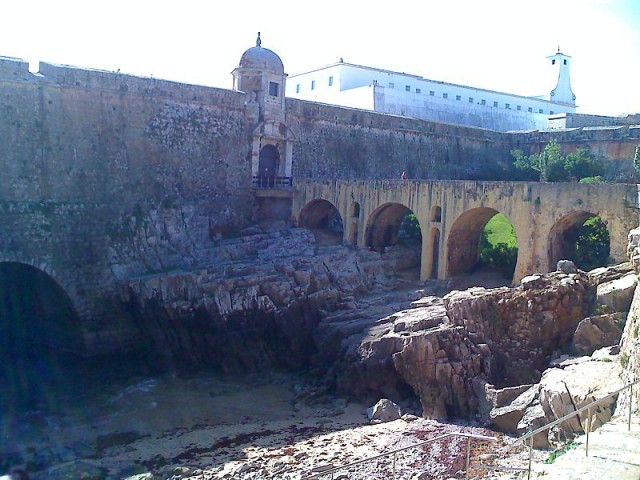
<point x="108" y="176"/>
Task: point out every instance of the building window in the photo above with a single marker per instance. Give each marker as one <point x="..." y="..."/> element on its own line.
<point x="313" y="84"/>
<point x="530" y="110"/>
<point x="507" y="106"/>
<point x="407" y="88"/>
<point x="273" y="89"/>
<point x="550" y="112"/>
<point x="539" y="110"/>
<point x="418" y="90"/>
<point x="518" y="108"/>
<point x="565" y="62"/>
<point x="331" y="81"/>
<point x="445" y="95"/>
<point x="483" y="102"/>
<point x="298" y="88"/>
<point x="458" y="97"/>
<point x="495" y="104"/>
<point x="470" y="99"/>
<point x="553" y="62"/>
<point x="432" y="93"/>
<point x="391" y="85"/>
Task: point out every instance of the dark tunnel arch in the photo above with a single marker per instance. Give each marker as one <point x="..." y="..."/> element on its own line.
<point x="39" y="330"/>
<point x="322" y="216"/>
<point x="385" y="226"/>
<point x="565" y="235"/>
<point x="463" y="242"/>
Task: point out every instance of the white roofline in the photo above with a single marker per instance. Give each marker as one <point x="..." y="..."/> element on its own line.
<point x="418" y="77"/>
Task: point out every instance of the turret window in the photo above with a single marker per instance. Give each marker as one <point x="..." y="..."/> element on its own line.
<point x="313" y="84"/>
<point x="331" y="81"/>
<point x="274" y="88"/>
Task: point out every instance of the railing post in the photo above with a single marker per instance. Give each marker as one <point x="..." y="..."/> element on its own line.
<point x="530" y="456"/>
<point x="630" y="403"/>
<point x="394" y="466"/>
<point x="466" y="470"/>
<point x="586" y="451"/>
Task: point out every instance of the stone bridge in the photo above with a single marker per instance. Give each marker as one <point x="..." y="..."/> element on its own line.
<point x="452" y="215"/>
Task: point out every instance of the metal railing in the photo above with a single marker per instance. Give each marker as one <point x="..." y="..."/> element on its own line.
<point x="529" y="436"/>
<point x="331" y="470"/>
<point x="268" y="181"/>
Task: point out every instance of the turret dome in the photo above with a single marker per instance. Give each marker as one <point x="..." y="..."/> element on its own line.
<point x="262" y="59"/>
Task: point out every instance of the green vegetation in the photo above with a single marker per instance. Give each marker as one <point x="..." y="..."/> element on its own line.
<point x="596" y="179"/>
<point x="624" y="359"/>
<point x="410" y="229"/>
<point x="560" y="451"/>
<point x="636" y="161"/>
<point x="499" y="246"/>
<point x="591" y="244"/>
<point x="551" y="166"/>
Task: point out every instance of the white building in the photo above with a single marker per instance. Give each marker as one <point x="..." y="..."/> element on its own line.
<point x="398" y="93"/>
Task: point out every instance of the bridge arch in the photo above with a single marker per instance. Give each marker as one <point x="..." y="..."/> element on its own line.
<point x="39" y="329"/>
<point x="463" y="240"/>
<point x="322" y="216"/>
<point x="383" y="225"/>
<point x="564" y="235"/>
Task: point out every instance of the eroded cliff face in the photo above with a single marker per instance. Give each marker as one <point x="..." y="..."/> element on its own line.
<point x="281" y="300"/>
<point x="630" y="343"/>
<point x="447" y="349"/>
<point x="257" y="302"/>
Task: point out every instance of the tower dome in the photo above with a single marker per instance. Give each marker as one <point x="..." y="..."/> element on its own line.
<point x="259" y="58"/>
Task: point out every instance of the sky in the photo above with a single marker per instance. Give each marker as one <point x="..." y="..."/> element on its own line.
<point x="495" y="44"/>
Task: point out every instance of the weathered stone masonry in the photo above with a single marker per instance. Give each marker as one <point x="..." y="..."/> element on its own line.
<point x="107" y="176"/>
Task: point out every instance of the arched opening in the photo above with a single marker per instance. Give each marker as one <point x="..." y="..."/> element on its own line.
<point x="436" y="214"/>
<point x="324" y="219"/>
<point x="581" y="237"/>
<point x="394" y="228"/>
<point x="435" y="252"/>
<point x="39" y="329"/>
<point x="268" y="164"/>
<point x="482" y="242"/>
<point x="355" y="222"/>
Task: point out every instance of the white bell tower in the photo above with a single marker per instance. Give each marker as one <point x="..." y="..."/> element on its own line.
<point x="562" y="92"/>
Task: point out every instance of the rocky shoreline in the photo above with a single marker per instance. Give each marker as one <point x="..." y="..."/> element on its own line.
<point x="362" y="330"/>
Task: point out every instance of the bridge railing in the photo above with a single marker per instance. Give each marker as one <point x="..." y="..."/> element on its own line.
<point x="269" y="181"/>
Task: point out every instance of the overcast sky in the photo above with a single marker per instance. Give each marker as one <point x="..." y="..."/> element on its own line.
<point x="494" y="44"/>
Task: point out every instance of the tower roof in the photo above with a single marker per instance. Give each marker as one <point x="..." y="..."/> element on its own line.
<point x="261" y="59"/>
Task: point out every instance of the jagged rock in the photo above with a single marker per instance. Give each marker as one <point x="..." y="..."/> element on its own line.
<point x="506" y="419"/>
<point x="74" y="470"/>
<point x="384" y="411"/>
<point x="532" y="281"/>
<point x="597" y="332"/>
<point x="562" y="391"/>
<point x="566" y="266"/>
<point x="612" y="272"/>
<point x="617" y="294"/>
<point x="534" y="418"/>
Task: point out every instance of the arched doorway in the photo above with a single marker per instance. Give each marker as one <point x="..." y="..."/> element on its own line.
<point x="482" y="237"/>
<point x="435" y="253"/>
<point x="324" y="219"/>
<point x="39" y="329"/>
<point x="581" y="237"/>
<point x="268" y="165"/>
<point x="355" y="222"/>
<point x="393" y="227"/>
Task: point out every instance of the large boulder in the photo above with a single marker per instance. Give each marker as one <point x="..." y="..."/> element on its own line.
<point x="384" y="411"/>
<point x="506" y="419"/>
<point x="597" y="332"/>
<point x="617" y="294"/>
<point x="564" y="390"/>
